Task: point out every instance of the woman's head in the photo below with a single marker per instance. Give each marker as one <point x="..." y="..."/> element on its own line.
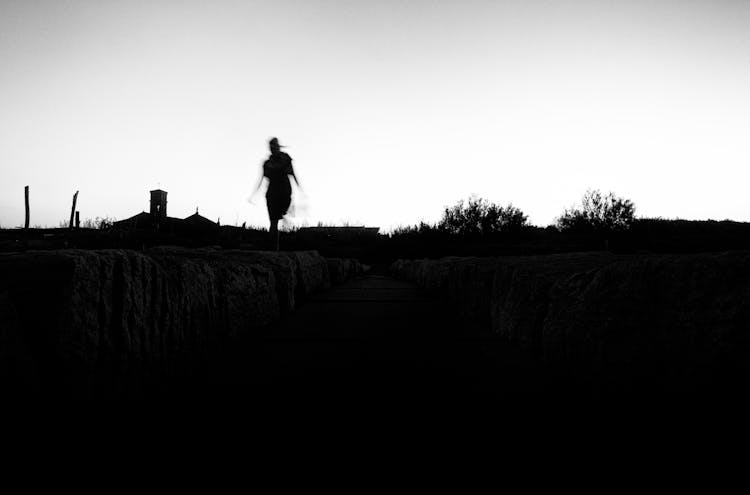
<point x="274" y="145"/>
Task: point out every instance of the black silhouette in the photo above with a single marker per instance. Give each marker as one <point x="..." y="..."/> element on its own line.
<point x="156" y="220"/>
<point x="598" y="213"/>
<point x="277" y="169"/>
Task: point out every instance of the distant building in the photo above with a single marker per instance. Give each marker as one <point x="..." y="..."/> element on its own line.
<point x="157" y="223"/>
<point x="159" y="203"/>
<point x="158" y="220"/>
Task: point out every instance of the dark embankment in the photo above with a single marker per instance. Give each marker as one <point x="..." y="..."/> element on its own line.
<point x="645" y="235"/>
<point x="657" y="322"/>
<point x="119" y="323"/>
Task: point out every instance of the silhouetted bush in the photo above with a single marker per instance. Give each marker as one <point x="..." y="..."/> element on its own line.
<point x="598" y="213"/>
<point x="101" y="223"/>
<point x="421" y="228"/>
<point x="480" y="217"/>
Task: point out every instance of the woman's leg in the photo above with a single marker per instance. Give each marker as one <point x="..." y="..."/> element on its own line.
<point x="274" y="233"/>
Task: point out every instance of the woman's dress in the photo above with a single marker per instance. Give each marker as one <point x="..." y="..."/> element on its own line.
<point x="277" y="169"/>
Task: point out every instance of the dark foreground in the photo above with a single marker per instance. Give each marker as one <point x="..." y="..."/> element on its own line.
<point x="372" y="338"/>
<point x="267" y="330"/>
<point x="382" y="343"/>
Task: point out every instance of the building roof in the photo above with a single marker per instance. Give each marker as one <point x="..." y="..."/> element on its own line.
<point x="197" y="218"/>
<point x="145" y="220"/>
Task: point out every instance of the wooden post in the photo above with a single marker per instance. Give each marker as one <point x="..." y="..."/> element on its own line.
<point x="78" y="219"/>
<point x="73" y="210"/>
<point x="26" y="196"/>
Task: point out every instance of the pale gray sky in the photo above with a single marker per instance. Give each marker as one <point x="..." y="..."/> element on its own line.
<point x="391" y="110"/>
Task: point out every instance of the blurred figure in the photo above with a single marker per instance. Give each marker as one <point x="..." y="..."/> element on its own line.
<point x="277" y="169"/>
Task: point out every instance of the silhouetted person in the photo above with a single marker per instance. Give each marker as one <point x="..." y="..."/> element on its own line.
<point x="277" y="170"/>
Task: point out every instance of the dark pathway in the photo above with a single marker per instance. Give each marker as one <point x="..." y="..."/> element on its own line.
<point x="370" y="332"/>
<point x="372" y="338"/>
<point x="388" y="344"/>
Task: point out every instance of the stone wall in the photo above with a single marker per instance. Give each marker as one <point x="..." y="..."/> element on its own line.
<point x="465" y="282"/>
<point x="106" y="322"/>
<point x="342" y="269"/>
<point x="601" y="310"/>
<point x="692" y="309"/>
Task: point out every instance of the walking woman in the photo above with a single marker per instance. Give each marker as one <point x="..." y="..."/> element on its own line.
<point x="277" y="170"/>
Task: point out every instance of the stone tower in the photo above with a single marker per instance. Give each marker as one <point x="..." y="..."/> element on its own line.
<point x="158" y="204"/>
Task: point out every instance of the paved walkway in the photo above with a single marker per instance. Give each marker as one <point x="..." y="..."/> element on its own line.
<point x="371" y="330"/>
<point x="378" y="344"/>
<point x="371" y="338"/>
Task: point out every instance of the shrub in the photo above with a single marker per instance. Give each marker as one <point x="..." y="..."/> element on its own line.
<point x="421" y="228"/>
<point x="598" y="213"/>
<point x="479" y="217"/>
<point x="101" y="223"/>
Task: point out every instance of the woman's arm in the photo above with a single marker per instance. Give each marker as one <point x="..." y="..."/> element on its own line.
<point x="291" y="172"/>
<point x="295" y="179"/>
<point x="257" y="187"/>
<point x="260" y="183"/>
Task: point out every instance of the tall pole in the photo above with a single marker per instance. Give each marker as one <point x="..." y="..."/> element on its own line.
<point x="26" y="196"/>
<point x="73" y="210"/>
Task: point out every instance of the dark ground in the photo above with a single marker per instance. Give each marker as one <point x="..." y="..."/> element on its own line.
<point x="645" y="236"/>
<point x="379" y="342"/>
<point x="372" y="338"/>
<point x="377" y="339"/>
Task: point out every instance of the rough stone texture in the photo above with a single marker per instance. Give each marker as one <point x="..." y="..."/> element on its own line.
<point x="651" y="311"/>
<point x="108" y="322"/>
<point x="521" y="292"/>
<point x="507" y="295"/>
<point x="342" y="269"/>
<point x="491" y="293"/>
<point x="429" y="274"/>
<point x="312" y="272"/>
<point x="466" y="284"/>
<point x="597" y="310"/>
<point x="297" y="273"/>
<point x="105" y="321"/>
<point x="470" y="289"/>
<point x="283" y="267"/>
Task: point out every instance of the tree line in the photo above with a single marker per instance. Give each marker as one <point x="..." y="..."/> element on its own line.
<point x="597" y="213"/>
